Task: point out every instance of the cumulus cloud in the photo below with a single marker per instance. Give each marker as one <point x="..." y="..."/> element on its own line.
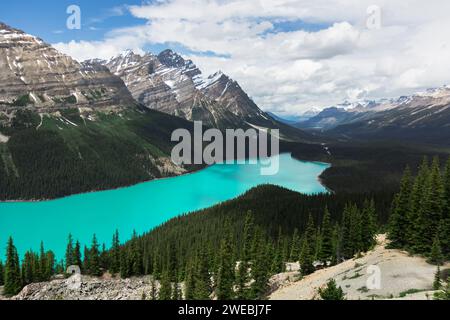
<point x="289" y="70"/>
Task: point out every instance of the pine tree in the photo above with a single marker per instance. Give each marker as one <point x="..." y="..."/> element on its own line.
<point x="444" y="231"/>
<point x="165" y="292"/>
<point x="86" y="261"/>
<point x="202" y="279"/>
<point x="369" y="225"/>
<point x="437" y="279"/>
<point x="295" y="247"/>
<point x="436" y="256"/>
<point x="278" y="261"/>
<point x="242" y="276"/>
<point x="94" y="258"/>
<point x="326" y="248"/>
<point x="125" y="271"/>
<point x="50" y="268"/>
<point x="225" y="274"/>
<point x="306" y="259"/>
<point x="414" y="214"/>
<point x="189" y="280"/>
<point x="13" y="282"/>
<point x="76" y="256"/>
<point x="156" y="268"/>
<point x="336" y="245"/>
<point x="136" y="256"/>
<point x="260" y="273"/>
<point x="115" y="253"/>
<point x="46" y="264"/>
<point x="331" y="292"/>
<point x="60" y="267"/>
<point x="69" y="252"/>
<point x="433" y="208"/>
<point x="2" y="272"/>
<point x="398" y="219"/>
<point x="310" y="233"/>
<point x="29" y="268"/>
<point x="355" y="230"/>
<point x="444" y="294"/>
<point x="172" y="261"/>
<point x="346" y="245"/>
<point x="447" y="186"/>
<point x="318" y="244"/>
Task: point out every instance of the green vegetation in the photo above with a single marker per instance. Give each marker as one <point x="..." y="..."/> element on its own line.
<point x="70" y="99"/>
<point x="62" y="158"/>
<point x="363" y="289"/>
<point x="22" y="101"/>
<point x="409" y="291"/>
<point x="363" y="167"/>
<point x="437" y="279"/>
<point x="356" y="275"/>
<point x="443" y="294"/>
<point x="35" y="267"/>
<point x="420" y="219"/>
<point x="331" y="292"/>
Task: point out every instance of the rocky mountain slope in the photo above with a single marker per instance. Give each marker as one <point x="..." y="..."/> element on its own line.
<point x="35" y="74"/>
<point x="423" y="117"/>
<point x="67" y="127"/>
<point x="169" y="83"/>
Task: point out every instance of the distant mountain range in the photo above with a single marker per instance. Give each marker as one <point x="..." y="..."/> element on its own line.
<point x="423" y="117"/>
<point x="294" y="119"/>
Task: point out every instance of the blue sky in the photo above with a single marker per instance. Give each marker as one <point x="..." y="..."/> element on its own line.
<point x="47" y="19"/>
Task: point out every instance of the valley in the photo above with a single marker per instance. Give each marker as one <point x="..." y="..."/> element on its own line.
<point x="144" y="206"/>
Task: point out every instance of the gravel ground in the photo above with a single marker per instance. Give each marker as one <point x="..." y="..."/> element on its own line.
<point x="398" y="273"/>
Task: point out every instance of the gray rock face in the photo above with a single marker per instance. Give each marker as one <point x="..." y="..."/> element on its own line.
<point x="89" y="288"/>
<point x="173" y="85"/>
<point x="32" y="73"/>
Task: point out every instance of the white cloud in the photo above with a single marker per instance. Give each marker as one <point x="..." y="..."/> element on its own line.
<point x="291" y="70"/>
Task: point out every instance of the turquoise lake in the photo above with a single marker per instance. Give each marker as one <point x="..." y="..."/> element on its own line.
<point x="143" y="206"/>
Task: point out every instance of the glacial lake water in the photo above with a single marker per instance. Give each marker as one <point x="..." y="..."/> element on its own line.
<point x="143" y="206"/>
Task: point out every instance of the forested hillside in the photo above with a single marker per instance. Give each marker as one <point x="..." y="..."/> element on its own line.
<point x="66" y="153"/>
<point x="420" y="219"/>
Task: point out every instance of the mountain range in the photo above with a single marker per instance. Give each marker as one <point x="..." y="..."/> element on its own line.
<point x="423" y="117"/>
<point x="168" y="83"/>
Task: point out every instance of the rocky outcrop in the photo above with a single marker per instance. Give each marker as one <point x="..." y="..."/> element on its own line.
<point x="79" y="287"/>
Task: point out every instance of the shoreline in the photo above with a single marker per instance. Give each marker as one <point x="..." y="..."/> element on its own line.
<point x="319" y="179"/>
